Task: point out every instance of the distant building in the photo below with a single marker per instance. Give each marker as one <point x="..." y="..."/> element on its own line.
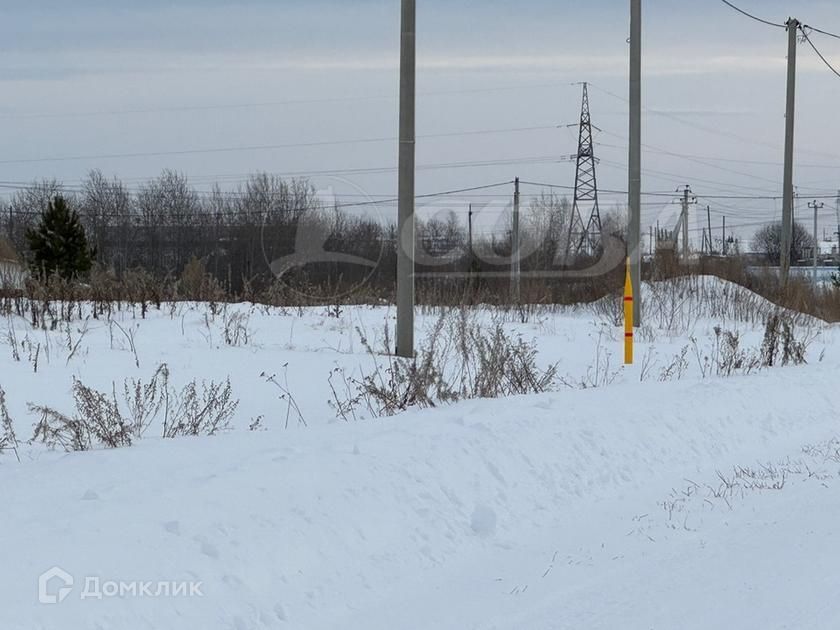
<point x="827" y="253"/>
<point x="12" y="269"/>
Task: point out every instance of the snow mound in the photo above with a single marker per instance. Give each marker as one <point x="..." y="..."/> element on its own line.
<point x="534" y="512"/>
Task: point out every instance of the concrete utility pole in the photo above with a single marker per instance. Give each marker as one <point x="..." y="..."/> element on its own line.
<point x="687" y="200"/>
<point x="634" y="188"/>
<point x="709" y="222"/>
<point x="817" y="206"/>
<point x="470" y="253"/>
<point x="837" y="210"/>
<point x="405" y="214"/>
<point x="469" y="233"/>
<point x="516" y="261"/>
<point x="723" y="246"/>
<point x="790" y="120"/>
<point x="686" y="248"/>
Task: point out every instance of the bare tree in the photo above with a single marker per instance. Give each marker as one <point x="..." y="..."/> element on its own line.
<point x="768" y="241"/>
<point x="168" y="207"/>
<point x="29" y="204"/>
<point x="105" y="207"/>
<point x="438" y="237"/>
<point x="547" y="224"/>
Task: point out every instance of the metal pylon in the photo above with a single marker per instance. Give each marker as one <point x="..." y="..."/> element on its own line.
<point x="585" y="238"/>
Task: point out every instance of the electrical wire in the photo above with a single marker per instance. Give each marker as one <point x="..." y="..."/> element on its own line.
<point x="712" y="130"/>
<point x="750" y="15"/>
<point x="445" y="193"/>
<point x="819" y="54"/>
<point x="271" y="147"/>
<point x="821" y="32"/>
<point x="261" y="104"/>
<point x="429" y="195"/>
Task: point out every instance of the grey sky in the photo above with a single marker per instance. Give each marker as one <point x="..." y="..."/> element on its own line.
<point x="96" y="78"/>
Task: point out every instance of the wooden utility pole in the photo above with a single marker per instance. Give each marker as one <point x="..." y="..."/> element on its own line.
<point x="405" y="213"/>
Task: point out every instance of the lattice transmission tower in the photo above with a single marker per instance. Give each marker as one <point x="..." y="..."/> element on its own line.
<point x="585" y="238"/>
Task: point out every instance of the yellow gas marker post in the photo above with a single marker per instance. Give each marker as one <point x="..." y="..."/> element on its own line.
<point x="628" y="317"/>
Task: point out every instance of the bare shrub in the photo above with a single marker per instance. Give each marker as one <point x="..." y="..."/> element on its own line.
<point x="100" y="415"/>
<point x="8" y="438"/>
<point x="73" y="345"/>
<point x="770" y="345"/>
<point x="676" y="368"/>
<point x="726" y="356"/>
<point x="11" y="338"/>
<point x="404" y="383"/>
<point x="647" y="365"/>
<point x="676" y="304"/>
<point x="204" y="411"/>
<point x="99" y="420"/>
<point x="54" y="429"/>
<point x="781" y="345"/>
<point x="458" y="360"/>
<point x="285" y="395"/>
<point x="346" y="402"/>
<point x="610" y="308"/>
<point x="145" y="401"/>
<point x="505" y="366"/>
<point x="730" y="357"/>
<point x="599" y="372"/>
<point x="129" y="335"/>
<point x="236" y="330"/>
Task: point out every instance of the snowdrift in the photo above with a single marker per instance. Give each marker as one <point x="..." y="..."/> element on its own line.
<point x="538" y="512"/>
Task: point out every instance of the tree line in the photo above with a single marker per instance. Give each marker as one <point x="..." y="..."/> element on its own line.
<point x="270" y="227"/>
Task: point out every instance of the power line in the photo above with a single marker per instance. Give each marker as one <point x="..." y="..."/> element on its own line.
<point x="719" y="132"/>
<point x="821" y="32"/>
<point x="270" y="147"/>
<point x="819" y="54"/>
<point x="600" y="190"/>
<point x="653" y="149"/>
<point x="261" y="104"/>
<point x="443" y="193"/>
<point x="750" y="15"/>
<point x="428" y="196"/>
<point x="668" y="176"/>
<point x="549" y="159"/>
<point x="671" y="194"/>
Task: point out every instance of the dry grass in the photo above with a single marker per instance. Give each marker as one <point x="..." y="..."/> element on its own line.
<point x="458" y="360"/>
<point x="103" y="421"/>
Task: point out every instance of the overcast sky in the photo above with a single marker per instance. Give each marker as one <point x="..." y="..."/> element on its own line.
<point x="101" y="81"/>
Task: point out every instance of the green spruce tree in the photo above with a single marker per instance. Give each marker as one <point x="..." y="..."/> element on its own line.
<point x="58" y="244"/>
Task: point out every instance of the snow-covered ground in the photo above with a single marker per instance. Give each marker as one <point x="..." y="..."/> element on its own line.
<point x="651" y="498"/>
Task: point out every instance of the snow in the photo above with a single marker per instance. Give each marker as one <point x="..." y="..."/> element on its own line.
<point x="638" y="504"/>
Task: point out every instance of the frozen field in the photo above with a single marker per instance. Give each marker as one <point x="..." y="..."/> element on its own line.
<point x="697" y="489"/>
